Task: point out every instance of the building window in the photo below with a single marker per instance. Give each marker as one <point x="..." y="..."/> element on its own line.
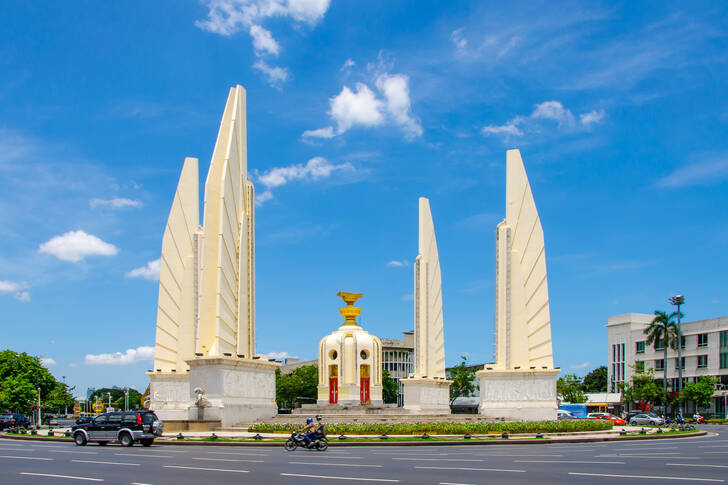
<point x="660" y="344"/>
<point x="618" y="358"/>
<point x="724" y="360"/>
<point x="660" y="364"/>
<point x="703" y="340"/>
<point x="702" y="361"/>
<point x="640" y="347"/>
<point x="639" y="366"/>
<point x="682" y="363"/>
<point x="724" y="340"/>
<point x="682" y="341"/>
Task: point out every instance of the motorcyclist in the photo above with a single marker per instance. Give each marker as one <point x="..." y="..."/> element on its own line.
<point x="309" y="430"/>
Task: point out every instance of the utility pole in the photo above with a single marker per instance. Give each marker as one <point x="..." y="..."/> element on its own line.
<point x="126" y="399"/>
<point x="109" y="395"/>
<point x="678" y="300"/>
<point x="37" y="424"/>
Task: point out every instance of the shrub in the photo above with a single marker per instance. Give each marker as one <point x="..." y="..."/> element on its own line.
<point x="447" y="428"/>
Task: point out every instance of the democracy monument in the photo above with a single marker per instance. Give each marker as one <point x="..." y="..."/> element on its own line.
<point x="207" y="374"/>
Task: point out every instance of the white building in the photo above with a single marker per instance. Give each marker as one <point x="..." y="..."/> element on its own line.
<point x="704" y="353"/>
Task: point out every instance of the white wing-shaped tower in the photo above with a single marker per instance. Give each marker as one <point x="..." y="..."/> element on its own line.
<point x="429" y="338"/>
<point x="177" y="303"/>
<point x="227" y="301"/>
<point x="521" y="383"/>
<point x="427" y="390"/>
<point x="523" y="321"/>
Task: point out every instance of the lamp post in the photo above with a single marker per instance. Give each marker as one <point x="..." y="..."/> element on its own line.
<point x="37" y="424"/>
<point x="109" y="395"/>
<point x="678" y="300"/>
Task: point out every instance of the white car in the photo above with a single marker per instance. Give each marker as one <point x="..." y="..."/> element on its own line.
<point x="641" y="419"/>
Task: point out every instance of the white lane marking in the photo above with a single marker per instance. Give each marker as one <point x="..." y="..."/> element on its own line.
<point x="642" y="447"/>
<point x="228" y="459"/>
<point x="713" y="446"/>
<point x="611" y="475"/>
<point x="340" y="478"/>
<point x="440" y="459"/>
<point x="14" y="449"/>
<point x="139" y="455"/>
<point x="526" y="456"/>
<point x="410" y="454"/>
<point x="62" y="476"/>
<point x="26" y="458"/>
<point x="452" y="483"/>
<point x="71" y="451"/>
<point x="332" y="464"/>
<point x="137" y="483"/>
<point x="106" y="462"/>
<point x="696" y="464"/>
<point x="715" y="452"/>
<point x="469" y="469"/>
<point x="206" y="469"/>
<point x="572" y="461"/>
<point x="231" y="453"/>
<point x="329" y="457"/>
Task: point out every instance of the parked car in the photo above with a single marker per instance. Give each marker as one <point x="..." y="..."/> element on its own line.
<point x="642" y="419"/>
<point x="13" y="420"/>
<point x="125" y="427"/>
<point x="84" y="419"/>
<point x="616" y="420"/>
<point x="561" y="414"/>
<point x="596" y="415"/>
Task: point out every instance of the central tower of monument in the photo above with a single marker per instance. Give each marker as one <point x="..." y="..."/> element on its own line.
<point x="521" y="384"/>
<point x="205" y="342"/>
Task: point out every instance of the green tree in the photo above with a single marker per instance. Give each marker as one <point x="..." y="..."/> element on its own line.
<point x="117" y="397"/>
<point x="596" y="380"/>
<point x="663" y="329"/>
<point x="302" y="382"/>
<point x="390" y="388"/>
<point x="570" y="389"/>
<point x="701" y="392"/>
<point x="463" y="380"/>
<point x="20" y="377"/>
<point x="643" y="389"/>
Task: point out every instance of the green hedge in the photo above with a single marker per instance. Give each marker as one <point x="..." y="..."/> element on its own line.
<point x="718" y="421"/>
<point x="447" y="428"/>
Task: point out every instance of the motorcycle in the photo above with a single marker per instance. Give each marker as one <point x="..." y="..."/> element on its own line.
<point x="699" y="419"/>
<point x="318" y="441"/>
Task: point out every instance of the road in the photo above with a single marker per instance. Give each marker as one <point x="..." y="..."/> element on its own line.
<point x="698" y="460"/>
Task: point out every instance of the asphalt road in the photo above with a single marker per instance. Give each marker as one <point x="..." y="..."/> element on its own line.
<point x="695" y="460"/>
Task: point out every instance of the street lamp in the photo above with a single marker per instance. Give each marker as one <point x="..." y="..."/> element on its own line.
<point x="678" y="300"/>
<point x="37" y="424"/>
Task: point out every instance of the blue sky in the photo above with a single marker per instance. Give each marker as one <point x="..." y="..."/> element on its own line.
<point x="355" y="109"/>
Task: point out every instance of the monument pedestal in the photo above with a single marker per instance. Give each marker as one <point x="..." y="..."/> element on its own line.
<point x="517" y="395"/>
<point x="169" y="395"/>
<point x="235" y="391"/>
<point x="426" y="396"/>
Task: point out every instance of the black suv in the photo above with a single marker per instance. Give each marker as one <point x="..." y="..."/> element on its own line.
<point x="125" y="427"/>
<point x="13" y="420"/>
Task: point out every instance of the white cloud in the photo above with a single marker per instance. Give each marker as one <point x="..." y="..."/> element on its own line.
<point x="276" y="75"/>
<point x="131" y="356"/>
<point x="360" y="107"/>
<point x="553" y="110"/>
<point x="327" y="132"/>
<point x="16" y="289"/>
<point x="701" y="173"/>
<point x="510" y="128"/>
<point x="149" y="272"/>
<point x="315" y="169"/>
<point x="227" y="17"/>
<point x="458" y="39"/>
<point x="550" y="111"/>
<point x="396" y="92"/>
<point x="279" y="355"/>
<point x="263" y="197"/>
<point x="47" y="361"/>
<point x="583" y="365"/>
<point x="349" y="63"/>
<point x="115" y="203"/>
<point x="263" y="41"/>
<point x="74" y="246"/>
<point x="72" y="364"/>
<point x="591" y="117"/>
<point x="397" y="264"/>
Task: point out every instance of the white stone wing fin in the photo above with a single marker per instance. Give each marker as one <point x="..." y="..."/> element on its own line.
<point x="176" y="304"/>
<point x="429" y="338"/>
<point x="530" y="309"/>
<point x="222" y="232"/>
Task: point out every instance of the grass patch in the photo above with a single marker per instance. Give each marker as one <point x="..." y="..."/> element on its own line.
<point x="447" y="428"/>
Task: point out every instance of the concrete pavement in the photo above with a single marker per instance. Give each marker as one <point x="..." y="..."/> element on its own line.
<point x="697" y="460"/>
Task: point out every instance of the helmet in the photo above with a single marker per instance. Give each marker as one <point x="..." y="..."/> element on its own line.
<point x="319" y="417"/>
<point x="309" y="420"/>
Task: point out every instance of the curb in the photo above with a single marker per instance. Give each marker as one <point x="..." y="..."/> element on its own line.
<point x="337" y="443"/>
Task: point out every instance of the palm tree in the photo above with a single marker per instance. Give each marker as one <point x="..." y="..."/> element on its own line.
<point x="663" y="328"/>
